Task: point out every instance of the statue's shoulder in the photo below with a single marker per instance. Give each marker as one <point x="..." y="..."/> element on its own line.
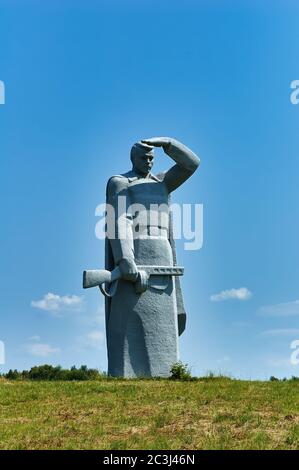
<point x="117" y="183"/>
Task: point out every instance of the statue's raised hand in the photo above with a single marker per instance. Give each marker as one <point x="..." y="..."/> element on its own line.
<point x="157" y="141"/>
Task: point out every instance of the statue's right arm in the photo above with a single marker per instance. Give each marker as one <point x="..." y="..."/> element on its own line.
<point x="186" y="160"/>
<point x="121" y="240"/>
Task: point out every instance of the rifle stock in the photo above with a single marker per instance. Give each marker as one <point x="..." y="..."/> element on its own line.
<point x="96" y="277"/>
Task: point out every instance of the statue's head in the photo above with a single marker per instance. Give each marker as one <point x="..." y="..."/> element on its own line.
<point x="142" y="157"/>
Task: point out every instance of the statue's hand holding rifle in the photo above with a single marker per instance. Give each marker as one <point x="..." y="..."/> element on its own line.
<point x="129" y="270"/>
<point x="100" y="277"/>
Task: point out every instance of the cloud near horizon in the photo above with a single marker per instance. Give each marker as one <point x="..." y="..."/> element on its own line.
<point x="280" y="310"/>
<point x="281" y="332"/>
<point x="223" y="359"/>
<point x="95" y="339"/>
<point x="41" y="349"/>
<point x="240" y="294"/>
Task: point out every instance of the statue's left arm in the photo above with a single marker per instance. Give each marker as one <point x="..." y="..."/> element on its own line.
<point x="186" y="160"/>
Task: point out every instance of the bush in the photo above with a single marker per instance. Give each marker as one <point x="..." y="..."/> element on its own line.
<point x="12" y="374"/>
<point x="48" y="372"/>
<point x="273" y="379"/>
<point x="180" y="371"/>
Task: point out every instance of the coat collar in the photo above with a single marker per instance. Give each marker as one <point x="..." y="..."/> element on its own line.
<point x="134" y="177"/>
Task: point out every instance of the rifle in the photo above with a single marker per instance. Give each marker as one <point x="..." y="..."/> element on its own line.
<point x="100" y="277"/>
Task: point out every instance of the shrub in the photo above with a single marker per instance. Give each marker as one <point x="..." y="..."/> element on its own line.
<point x="273" y="379"/>
<point x="180" y="371"/>
<point x="12" y="374"/>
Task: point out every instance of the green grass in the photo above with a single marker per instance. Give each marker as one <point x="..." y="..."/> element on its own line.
<point x="210" y="413"/>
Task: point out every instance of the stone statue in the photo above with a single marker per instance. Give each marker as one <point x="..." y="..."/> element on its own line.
<point x="144" y="305"/>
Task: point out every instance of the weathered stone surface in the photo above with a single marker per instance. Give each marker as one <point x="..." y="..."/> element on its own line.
<point x="143" y="324"/>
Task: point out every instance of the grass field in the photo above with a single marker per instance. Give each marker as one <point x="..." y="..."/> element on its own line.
<point x="210" y="413"/>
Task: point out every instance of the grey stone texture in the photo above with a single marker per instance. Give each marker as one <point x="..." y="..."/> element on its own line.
<point x="143" y="327"/>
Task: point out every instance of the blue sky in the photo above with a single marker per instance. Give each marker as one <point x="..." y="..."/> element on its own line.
<point x="83" y="82"/>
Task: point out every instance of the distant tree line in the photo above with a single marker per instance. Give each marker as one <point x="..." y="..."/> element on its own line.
<point x="275" y="379"/>
<point x="179" y="371"/>
<point x="48" y="372"/>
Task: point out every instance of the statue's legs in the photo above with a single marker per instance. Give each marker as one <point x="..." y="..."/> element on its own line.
<point x="142" y="329"/>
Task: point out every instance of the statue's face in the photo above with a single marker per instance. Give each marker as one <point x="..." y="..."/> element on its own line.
<point x="143" y="162"/>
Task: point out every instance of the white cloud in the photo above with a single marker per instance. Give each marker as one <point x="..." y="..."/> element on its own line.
<point x="93" y="319"/>
<point x="279" y="362"/>
<point x="2" y="352"/>
<point x="55" y="303"/>
<point x="280" y="310"/>
<point x="95" y="339"/>
<point x="281" y="332"/>
<point x="223" y="359"/>
<point x="241" y="324"/>
<point x="241" y="294"/>
<point x="34" y="338"/>
<point x="99" y="317"/>
<point x="42" y="349"/>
